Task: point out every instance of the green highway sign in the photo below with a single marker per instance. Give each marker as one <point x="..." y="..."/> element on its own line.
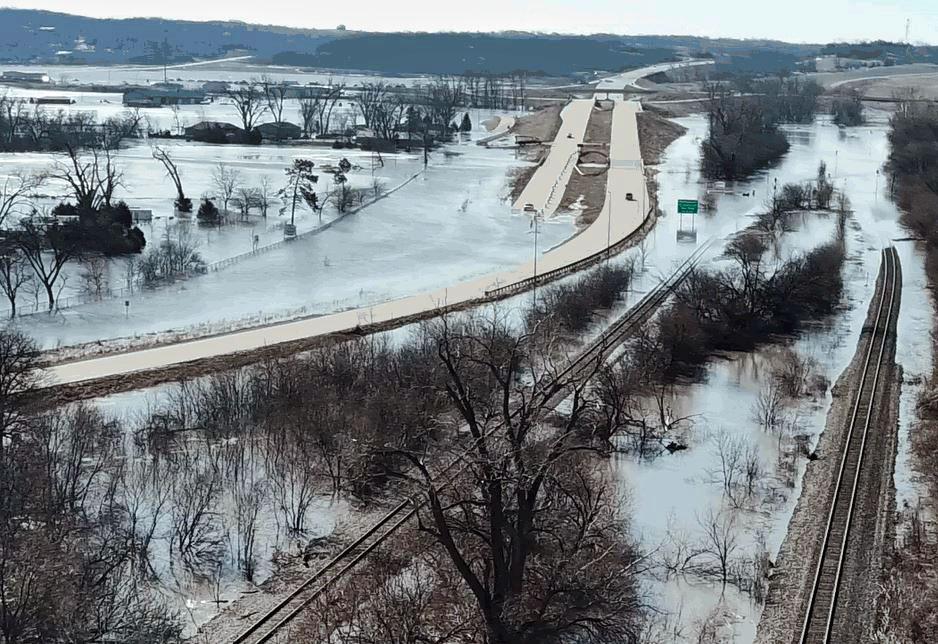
<point x="687" y="206"/>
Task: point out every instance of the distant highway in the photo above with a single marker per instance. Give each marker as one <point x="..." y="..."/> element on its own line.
<point x="628" y="81"/>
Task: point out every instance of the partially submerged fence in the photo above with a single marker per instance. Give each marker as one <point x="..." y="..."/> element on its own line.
<point x="37" y="306"/>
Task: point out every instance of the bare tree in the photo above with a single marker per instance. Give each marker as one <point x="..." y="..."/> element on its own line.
<point x="15" y="273"/>
<point x="91" y="177"/>
<point x="245" y="199"/>
<point x="740" y="468"/>
<point x="309" y="113"/>
<point x="265" y="194"/>
<point x="444" y="95"/>
<point x="196" y="487"/>
<point x="768" y="408"/>
<point x="225" y="180"/>
<point x="250" y="103"/>
<point x="183" y="203"/>
<point x="94" y="276"/>
<point x="47" y="248"/>
<point x="526" y="487"/>
<point x="292" y="479"/>
<point x="275" y="97"/>
<point x="15" y="192"/>
<point x="720" y="540"/>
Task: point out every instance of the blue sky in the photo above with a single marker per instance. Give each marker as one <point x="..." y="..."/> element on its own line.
<point x="792" y="20"/>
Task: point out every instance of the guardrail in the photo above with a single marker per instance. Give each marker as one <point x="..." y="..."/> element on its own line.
<point x="549" y="276"/>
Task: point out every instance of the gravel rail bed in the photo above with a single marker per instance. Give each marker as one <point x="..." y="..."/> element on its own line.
<point x="872" y="529"/>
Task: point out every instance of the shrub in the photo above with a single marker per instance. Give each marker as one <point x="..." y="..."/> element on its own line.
<point x="208" y="213"/>
<point x="183" y="204"/>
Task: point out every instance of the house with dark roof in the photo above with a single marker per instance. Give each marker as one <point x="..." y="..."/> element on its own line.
<point x="281" y="131"/>
<point x="158" y="97"/>
<point x="213" y="132"/>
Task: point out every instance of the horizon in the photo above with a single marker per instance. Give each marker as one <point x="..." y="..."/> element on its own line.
<point x="889" y="21"/>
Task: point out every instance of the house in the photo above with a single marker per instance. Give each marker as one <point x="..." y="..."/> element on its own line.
<point x="213" y="132"/>
<point x="281" y="131"/>
<point x="141" y="215"/>
<point x="158" y="97"/>
<point x="215" y="87"/>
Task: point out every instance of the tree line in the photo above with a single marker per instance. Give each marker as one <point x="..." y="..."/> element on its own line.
<point x="744" y="135"/>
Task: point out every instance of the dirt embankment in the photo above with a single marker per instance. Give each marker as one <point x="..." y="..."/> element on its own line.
<point x="871" y="533"/>
<point x="586" y="190"/>
<point x="542" y="126"/>
<point x="655" y="134"/>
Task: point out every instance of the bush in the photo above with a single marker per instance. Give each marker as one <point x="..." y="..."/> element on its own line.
<point x="847" y="111"/>
<point x="571" y="306"/>
<point x="107" y="230"/>
<point x="208" y="213"/>
<point x="183" y="204"/>
<point x="741" y="307"/>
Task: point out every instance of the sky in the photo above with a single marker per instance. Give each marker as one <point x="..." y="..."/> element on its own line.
<point x="793" y="20"/>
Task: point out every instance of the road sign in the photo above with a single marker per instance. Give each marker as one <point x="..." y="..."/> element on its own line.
<point x="687" y="206"/>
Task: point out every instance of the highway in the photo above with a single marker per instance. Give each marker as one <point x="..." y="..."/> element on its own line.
<point x="546" y="187"/>
<point x="618" y="219"/>
<point x="628" y="81"/>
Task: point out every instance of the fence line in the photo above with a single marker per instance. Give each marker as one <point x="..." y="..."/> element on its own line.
<point x="523" y="285"/>
<point x="125" y="291"/>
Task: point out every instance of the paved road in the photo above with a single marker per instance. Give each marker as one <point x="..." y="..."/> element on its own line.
<point x="618" y="219"/>
<point x="833" y="80"/>
<point x="629" y="80"/>
<point x="545" y="189"/>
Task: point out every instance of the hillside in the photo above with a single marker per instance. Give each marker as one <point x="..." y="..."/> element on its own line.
<point x="42" y="37"/>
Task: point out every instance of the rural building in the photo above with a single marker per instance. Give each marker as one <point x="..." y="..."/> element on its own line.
<point x="833" y="63"/>
<point x="213" y="131"/>
<point x="215" y="87"/>
<point x="279" y="131"/>
<point x="25" y="77"/>
<point x="157" y="97"/>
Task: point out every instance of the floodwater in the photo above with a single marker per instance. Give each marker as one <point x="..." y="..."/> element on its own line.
<point x="672" y="493"/>
<point x="450" y="224"/>
<point x="192" y="75"/>
<point x="374" y="254"/>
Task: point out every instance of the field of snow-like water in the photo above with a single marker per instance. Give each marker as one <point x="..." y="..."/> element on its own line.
<point x="673" y="494"/>
<point x="450" y="223"/>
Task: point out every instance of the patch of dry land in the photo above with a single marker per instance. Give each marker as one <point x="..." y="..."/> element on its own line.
<point x="542" y="125"/>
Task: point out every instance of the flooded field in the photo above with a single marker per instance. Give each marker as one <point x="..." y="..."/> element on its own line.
<point x="452" y="222"/>
<point x="672" y="496"/>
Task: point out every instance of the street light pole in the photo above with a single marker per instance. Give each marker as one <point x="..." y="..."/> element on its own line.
<point x="537" y="216"/>
<point x="609" y="228"/>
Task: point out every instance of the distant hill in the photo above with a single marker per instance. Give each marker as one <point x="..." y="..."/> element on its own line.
<point x="443" y="53"/>
<point x="43" y="37"/>
<point x="39" y="36"/>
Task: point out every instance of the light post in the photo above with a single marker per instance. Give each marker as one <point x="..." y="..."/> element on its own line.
<point x="535" y="222"/>
<point x="609" y="228"/>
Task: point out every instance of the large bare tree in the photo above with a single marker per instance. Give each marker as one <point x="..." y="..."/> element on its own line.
<point x="250" y="102"/>
<point x="534" y="535"/>
<point x="47" y="248"/>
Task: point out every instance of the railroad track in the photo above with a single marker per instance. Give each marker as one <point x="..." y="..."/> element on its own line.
<point x="818" y="626"/>
<point x="269" y="625"/>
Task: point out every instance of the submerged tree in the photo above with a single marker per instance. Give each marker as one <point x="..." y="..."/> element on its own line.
<point x="183" y="203"/>
<point x="300" y="188"/>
